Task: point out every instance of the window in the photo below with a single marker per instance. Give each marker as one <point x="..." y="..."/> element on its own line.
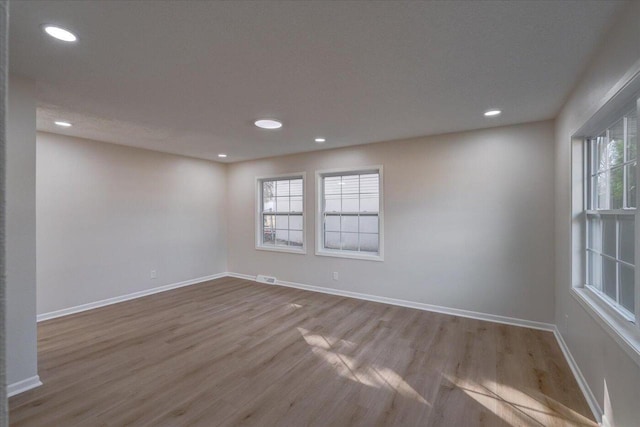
<point x="349" y="222"/>
<point x="280" y="220"/>
<point x="610" y="213"/>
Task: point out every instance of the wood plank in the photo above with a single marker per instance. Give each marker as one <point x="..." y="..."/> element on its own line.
<point x="233" y="352"/>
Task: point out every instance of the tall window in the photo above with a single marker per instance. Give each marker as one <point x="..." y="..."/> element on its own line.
<point x="610" y="214"/>
<point x="350" y="214"/>
<point x="280" y="223"/>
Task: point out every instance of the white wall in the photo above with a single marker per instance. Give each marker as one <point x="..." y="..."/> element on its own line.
<point x="597" y="354"/>
<point x="468" y="221"/>
<point x="108" y="215"/>
<point x="21" y="231"/>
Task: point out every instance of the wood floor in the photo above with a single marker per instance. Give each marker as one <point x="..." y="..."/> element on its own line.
<point x="233" y="352"/>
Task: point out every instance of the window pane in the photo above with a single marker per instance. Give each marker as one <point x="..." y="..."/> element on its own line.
<point x="268" y="196"/>
<point x="349" y="224"/>
<point x="295" y="222"/>
<point x="268" y="222"/>
<point x="295" y="204"/>
<point x="368" y="224"/>
<point x="601" y="156"/>
<point x="609" y="277"/>
<point x="350" y="184"/>
<point x="268" y="237"/>
<point x="295" y="187"/>
<point x="609" y="236"/>
<point x="594" y="236"/>
<point x="632" y="136"/>
<point x="332" y="240"/>
<point x="282" y="222"/>
<point x="268" y="189"/>
<point x="592" y="203"/>
<point x="602" y="201"/>
<point x="350" y="203"/>
<point x="615" y="148"/>
<point x="627" y="296"/>
<point x="369" y="243"/>
<point x="349" y="241"/>
<point x="282" y="188"/>
<point x="627" y="240"/>
<point x="269" y="205"/>
<point x="332" y="223"/>
<point x="369" y="203"/>
<point x="593" y="155"/>
<point x="617" y="188"/>
<point x="631" y="185"/>
<point x="369" y="183"/>
<point x="332" y="204"/>
<point x="595" y="270"/>
<point x="295" y="238"/>
<point x="332" y="185"/>
<point x="282" y="237"/>
<point x="282" y="204"/>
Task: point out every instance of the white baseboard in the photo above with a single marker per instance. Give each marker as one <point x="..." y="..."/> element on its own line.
<point x="242" y="276"/>
<point x="115" y="300"/>
<point x="582" y="382"/>
<point x="411" y="304"/>
<point x="24" y="385"/>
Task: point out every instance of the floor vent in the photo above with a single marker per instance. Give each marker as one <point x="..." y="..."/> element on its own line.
<point x="266" y="279"/>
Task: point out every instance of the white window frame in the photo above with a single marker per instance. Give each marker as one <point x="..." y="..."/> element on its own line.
<point x="258" y="213"/>
<point x="617" y="215"/>
<point x="622" y="327"/>
<point x="320" y="250"/>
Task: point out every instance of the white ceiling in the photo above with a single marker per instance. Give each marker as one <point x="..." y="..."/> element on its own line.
<point x="191" y="77"/>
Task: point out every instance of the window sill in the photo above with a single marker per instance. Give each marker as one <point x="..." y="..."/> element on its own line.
<point x="624" y="332"/>
<point x="299" y="251"/>
<point x="350" y="255"/>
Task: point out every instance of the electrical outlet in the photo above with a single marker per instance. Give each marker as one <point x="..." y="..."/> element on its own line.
<point x="335" y="275"/>
<point x="153" y="274"/>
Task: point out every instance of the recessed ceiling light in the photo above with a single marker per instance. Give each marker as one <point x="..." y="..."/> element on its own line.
<point x="222" y="156"/>
<point x="63" y="124"/>
<point x="60" y="33"/>
<point x="320" y="140"/>
<point x="268" y="124"/>
<point x="492" y="113"/>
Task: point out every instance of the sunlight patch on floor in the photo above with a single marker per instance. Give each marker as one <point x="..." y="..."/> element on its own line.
<point x="517" y="407"/>
<point x="348" y="367"/>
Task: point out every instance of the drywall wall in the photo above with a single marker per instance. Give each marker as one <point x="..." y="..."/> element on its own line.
<point x="21" y="231"/>
<point x="108" y="215"/>
<point x="468" y="221"/>
<point x="600" y="359"/>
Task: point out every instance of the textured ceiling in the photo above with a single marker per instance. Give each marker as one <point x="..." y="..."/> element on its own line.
<point x="191" y="77"/>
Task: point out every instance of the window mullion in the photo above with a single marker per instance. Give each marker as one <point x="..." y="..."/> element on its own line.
<point x="587" y="193"/>
<point x="341" y="208"/>
<point x="637" y="224"/>
<point x="608" y="170"/>
<point x="618" y="256"/>
<point x="359" y="208"/>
